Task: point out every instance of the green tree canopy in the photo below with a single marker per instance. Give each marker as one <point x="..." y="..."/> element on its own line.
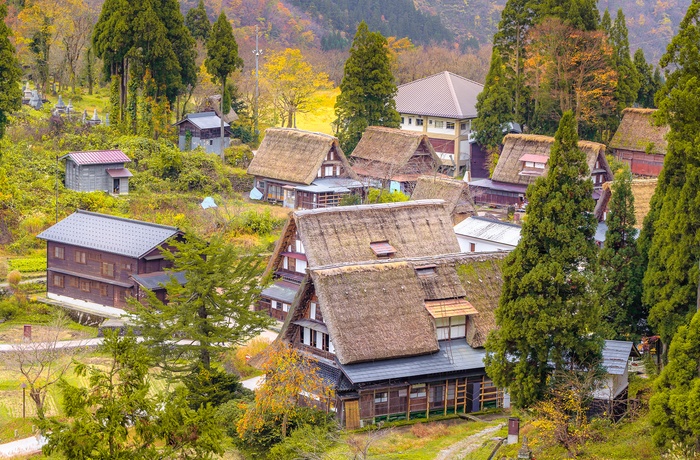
<point x="10" y="74"/>
<point x="649" y="80"/>
<point x="627" y="77"/>
<point x="547" y="313"/>
<point x="367" y="90"/>
<point x="493" y="106"/>
<point x="198" y="23"/>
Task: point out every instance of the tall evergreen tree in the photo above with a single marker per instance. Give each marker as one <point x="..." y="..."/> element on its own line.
<point x="198" y="23"/>
<point x="10" y="74"/>
<point x="183" y="45"/>
<point x="627" y="77"/>
<point x="222" y="60"/>
<point x="606" y="23"/>
<point x="546" y="313"/>
<point x="367" y="90"/>
<point x="671" y="231"/>
<point x="675" y="404"/>
<point x="493" y="106"/>
<point x="649" y="83"/>
<point x="619" y="264"/>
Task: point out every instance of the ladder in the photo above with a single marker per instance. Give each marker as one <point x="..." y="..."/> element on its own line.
<point x="461" y="395"/>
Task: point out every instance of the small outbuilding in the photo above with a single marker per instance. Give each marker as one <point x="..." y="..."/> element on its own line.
<point x="480" y="234"/>
<point x="202" y="130"/>
<point x="640" y="143"/>
<point x="98" y="170"/>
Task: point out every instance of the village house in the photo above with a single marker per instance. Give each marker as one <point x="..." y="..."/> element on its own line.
<point x="611" y="396"/>
<point x="202" y="130"/>
<point x="393" y="158"/>
<point x="442" y="106"/>
<point x="301" y="170"/>
<point x="480" y="234"/>
<point x="100" y="170"/>
<point x="455" y="194"/>
<point x="523" y="159"/>
<point x="640" y="143"/>
<point x="101" y="260"/>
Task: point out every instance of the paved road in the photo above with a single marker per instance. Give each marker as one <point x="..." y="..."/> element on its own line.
<point x="24" y="446"/>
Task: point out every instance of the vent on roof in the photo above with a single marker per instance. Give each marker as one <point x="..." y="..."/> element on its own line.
<point x="425" y="271"/>
<point x="382" y="249"/>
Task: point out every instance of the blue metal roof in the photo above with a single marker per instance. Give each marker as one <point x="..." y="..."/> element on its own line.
<point x="158" y="280"/>
<point x="616" y="353"/>
<point x="464" y="358"/>
<point x="102" y="232"/>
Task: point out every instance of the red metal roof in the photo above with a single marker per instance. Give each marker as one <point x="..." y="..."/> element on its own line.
<point x="382" y="248"/>
<point x="98" y="157"/>
<point x="295" y="255"/>
<point x="534" y="158"/>
<point x="121" y="172"/>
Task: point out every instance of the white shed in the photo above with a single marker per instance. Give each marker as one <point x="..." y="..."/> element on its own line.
<point x="479" y="234"/>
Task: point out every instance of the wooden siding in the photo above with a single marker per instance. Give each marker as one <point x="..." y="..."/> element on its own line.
<point x="641" y="164"/>
<point x="91" y="178"/>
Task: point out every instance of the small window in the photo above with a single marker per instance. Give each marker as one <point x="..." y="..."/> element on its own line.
<point x="382" y="249"/>
<point x="312" y="311"/>
<point x="428" y="270"/>
<point x="439" y="124"/>
<point x="472" y="247"/>
<point x="96" y="256"/>
<point x="107" y="269"/>
<point x="211" y="142"/>
<point x="285" y="307"/>
<point x="80" y="257"/>
<point x="85" y="285"/>
<point x="58" y="252"/>
<point x="58" y="280"/>
<point x="463" y="126"/>
<point x="103" y="290"/>
<point x="329" y="171"/>
<point x="380" y="397"/>
<point x="126" y="267"/>
<point x="418" y="391"/>
<point x="74" y="282"/>
<point x="410" y="121"/>
<point x="419" y="122"/>
<point x="402" y="120"/>
<point x="450" y="125"/>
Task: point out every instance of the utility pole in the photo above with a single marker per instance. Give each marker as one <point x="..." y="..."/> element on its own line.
<point x="257" y="52"/>
<point x="56" y="188"/>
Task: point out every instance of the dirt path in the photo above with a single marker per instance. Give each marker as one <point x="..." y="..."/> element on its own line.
<point x="462" y="448"/>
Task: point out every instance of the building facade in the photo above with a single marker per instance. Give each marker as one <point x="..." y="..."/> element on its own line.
<point x="202" y="130"/>
<point x="101" y="170"/>
<point x="640" y="143"/>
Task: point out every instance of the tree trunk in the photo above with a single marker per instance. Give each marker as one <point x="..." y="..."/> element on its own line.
<point x="285" y="419"/>
<point x="290" y="118"/>
<point x="204" y="354"/>
<point x="223" y="89"/>
<point x="39" y="401"/>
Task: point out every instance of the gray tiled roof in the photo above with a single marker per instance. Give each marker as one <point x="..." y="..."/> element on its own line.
<point x="127" y="237"/>
<point x="441" y="95"/>
<point x="464" y="358"/>
<point x="616" y="353"/>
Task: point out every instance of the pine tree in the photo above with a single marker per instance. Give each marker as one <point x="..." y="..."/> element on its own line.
<point x="649" y="81"/>
<point x="367" y="90"/>
<point x="619" y="264"/>
<point x="198" y="23"/>
<point x="222" y="60"/>
<point x="606" y="23"/>
<point x="627" y="77"/>
<point x="546" y="313"/>
<point x="493" y="106"/>
<point x="10" y="74"/>
<point x="671" y="232"/>
<point x="183" y="45"/>
<point x="675" y="404"/>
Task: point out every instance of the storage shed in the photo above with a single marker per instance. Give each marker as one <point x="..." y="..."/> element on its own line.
<point x="98" y="170"/>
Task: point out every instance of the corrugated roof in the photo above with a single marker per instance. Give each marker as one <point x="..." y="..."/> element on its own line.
<point x="449" y="307"/>
<point x="616" y="353"/>
<point x="121" y="172"/>
<point x="489" y="230"/>
<point x="204" y="120"/>
<point x="441" y="95"/>
<point x="97" y="157"/>
<point x="158" y="280"/>
<point x="281" y="290"/>
<point x="131" y="238"/>
<point x="463" y="356"/>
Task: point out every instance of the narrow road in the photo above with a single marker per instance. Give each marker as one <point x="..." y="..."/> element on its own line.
<point x="460" y="449"/>
<point x="26" y="446"/>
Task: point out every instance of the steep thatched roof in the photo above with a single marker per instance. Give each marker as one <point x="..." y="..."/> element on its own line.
<point x="483" y="281"/>
<point x="643" y="190"/>
<point x="293" y="155"/>
<point x="343" y="234"/>
<point x="375" y="311"/>
<point x="602" y="203"/>
<point x="455" y="193"/>
<point x="516" y="145"/>
<point x="638" y="133"/>
<point x="392" y="147"/>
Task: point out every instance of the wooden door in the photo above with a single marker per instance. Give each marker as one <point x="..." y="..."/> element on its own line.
<point x="352" y="414"/>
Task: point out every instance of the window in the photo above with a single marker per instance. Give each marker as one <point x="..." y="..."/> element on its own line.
<point x="285" y="307"/>
<point x="439" y="124"/>
<point x="402" y="120"/>
<point x="328" y="171"/>
<point x="85" y="285"/>
<point x="103" y="290"/>
<point x="451" y="327"/>
<point x="382" y="248"/>
<point x="126" y="267"/>
<point x="80" y="256"/>
<point x="211" y="142"/>
<point x="418" y="391"/>
<point x="306" y="336"/>
<point x="58" y="252"/>
<point x="58" y="280"/>
<point x="94" y="256"/>
<point x="380" y="397"/>
<point x="463" y="126"/>
<point x="472" y="247"/>
<point x="410" y="121"/>
<point x="107" y="269"/>
<point x="450" y="125"/>
<point x="428" y="270"/>
<point x="312" y="311"/>
<point x="419" y="122"/>
<point x="74" y="282"/>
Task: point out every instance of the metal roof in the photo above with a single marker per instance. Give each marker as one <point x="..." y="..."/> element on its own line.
<point x="489" y="230"/>
<point x="495" y="185"/>
<point x="158" y="280"/>
<point x="464" y="358"/>
<point x="281" y="290"/>
<point x="203" y="120"/>
<point x="616" y="353"/>
<point x="97" y="157"/>
<point x="121" y="172"/>
<point x="441" y="95"/>
<point x="131" y="238"/>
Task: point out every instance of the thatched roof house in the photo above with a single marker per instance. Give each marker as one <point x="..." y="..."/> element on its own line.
<point x="455" y="194"/>
<point x="301" y="169"/>
<point x="523" y="159"/>
<point x="388" y="154"/>
<point x="639" y="142"/>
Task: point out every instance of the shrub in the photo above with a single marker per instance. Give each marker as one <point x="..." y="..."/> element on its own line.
<point x="305" y="442"/>
<point x="13" y="278"/>
<point x="376" y="195"/>
<point x="238" y="156"/>
<point x="8" y="309"/>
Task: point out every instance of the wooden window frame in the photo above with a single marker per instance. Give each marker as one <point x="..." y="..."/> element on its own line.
<point x="74" y="282"/>
<point x="58" y="281"/>
<point x="59" y="252"/>
<point x="104" y="290"/>
<point x="107" y="269"/>
<point x="381" y="397"/>
<point x="80" y="257"/>
<point x="94" y="256"/>
<point x="85" y="285"/>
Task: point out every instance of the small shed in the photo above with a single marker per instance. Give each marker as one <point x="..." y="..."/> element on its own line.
<point x="98" y="170"/>
<point x="479" y="234"/>
<point x="640" y="143"/>
<point x="202" y="130"/>
<point x="611" y="395"/>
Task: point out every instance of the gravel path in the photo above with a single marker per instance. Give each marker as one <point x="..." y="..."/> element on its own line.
<point x="470" y="443"/>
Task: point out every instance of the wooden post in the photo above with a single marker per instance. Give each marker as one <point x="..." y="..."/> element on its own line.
<point x="408" y="403"/>
<point x="447" y="391"/>
<point x="427" y="400"/>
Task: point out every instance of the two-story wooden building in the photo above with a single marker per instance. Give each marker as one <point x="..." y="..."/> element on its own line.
<point x="202" y="129"/>
<point x="393" y="158"/>
<point x="523" y="159"/>
<point x="640" y="143"/>
<point x="302" y="170"/>
<point x="98" y="170"/>
<point x="98" y="259"/>
<point x="442" y="106"/>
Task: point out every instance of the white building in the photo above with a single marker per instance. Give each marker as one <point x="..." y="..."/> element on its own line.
<point x="479" y="234"/>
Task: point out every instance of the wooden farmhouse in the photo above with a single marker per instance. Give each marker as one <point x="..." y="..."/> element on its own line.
<point x="443" y="106"/>
<point x="100" y="170"/>
<point x="523" y="159"/>
<point x="384" y="314"/>
<point x="301" y="170"/>
<point x="455" y="194"/>
<point x="97" y="259"/>
<point x="640" y="143"/>
<point x="393" y="158"/>
<point x="202" y="130"/>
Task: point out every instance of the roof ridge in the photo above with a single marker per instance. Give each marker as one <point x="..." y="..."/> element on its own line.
<point x="453" y="93"/>
<point x="442" y="258"/>
<point x="303" y="131"/>
<point x="441" y="73"/>
<point x="360" y="207"/>
<point x="126" y="219"/>
<point x="208" y="113"/>
<point x="95" y="151"/>
<point x="494" y="221"/>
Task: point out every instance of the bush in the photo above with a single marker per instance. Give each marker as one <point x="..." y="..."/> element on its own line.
<point x="34" y="264"/>
<point x="237" y="360"/>
<point x="376" y="195"/>
<point x="9" y="309"/>
<point x="238" y="156"/>
<point x="305" y="442"/>
<point x="13" y="278"/>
